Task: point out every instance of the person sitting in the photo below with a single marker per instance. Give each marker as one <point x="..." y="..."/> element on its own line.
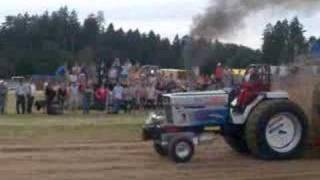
<point x="250" y="88"/>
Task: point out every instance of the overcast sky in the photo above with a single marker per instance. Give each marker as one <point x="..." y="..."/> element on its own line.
<point x="167" y="17"/>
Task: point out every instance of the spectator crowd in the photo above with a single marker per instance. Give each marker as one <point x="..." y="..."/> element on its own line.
<point x="126" y="87"/>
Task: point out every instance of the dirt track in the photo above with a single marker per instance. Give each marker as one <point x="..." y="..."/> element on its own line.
<point x="104" y="159"/>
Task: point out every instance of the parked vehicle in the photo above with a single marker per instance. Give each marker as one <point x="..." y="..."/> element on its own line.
<point x="13" y="83"/>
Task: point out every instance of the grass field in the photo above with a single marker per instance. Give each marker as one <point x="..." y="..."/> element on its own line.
<point x="39" y="127"/>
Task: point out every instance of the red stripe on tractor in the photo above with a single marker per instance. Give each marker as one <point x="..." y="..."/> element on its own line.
<point x="171" y="129"/>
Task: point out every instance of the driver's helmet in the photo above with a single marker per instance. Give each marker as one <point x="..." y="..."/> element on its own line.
<point x="251" y="75"/>
<point x="247" y="76"/>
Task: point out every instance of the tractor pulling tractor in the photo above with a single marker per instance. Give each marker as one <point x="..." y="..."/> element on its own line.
<point x="252" y="120"/>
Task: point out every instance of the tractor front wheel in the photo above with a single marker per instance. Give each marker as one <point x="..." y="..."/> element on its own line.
<point x="276" y="129"/>
<point x="181" y="149"/>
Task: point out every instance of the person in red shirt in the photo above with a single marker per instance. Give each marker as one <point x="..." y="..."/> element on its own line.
<point x="250" y="88"/>
<point x="101" y="95"/>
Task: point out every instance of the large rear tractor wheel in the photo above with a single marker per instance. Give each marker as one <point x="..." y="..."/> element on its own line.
<point x="277" y="129"/>
<point x="235" y="138"/>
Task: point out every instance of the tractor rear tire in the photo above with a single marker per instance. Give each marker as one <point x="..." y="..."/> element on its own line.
<point x="277" y="129"/>
<point x="235" y="138"/>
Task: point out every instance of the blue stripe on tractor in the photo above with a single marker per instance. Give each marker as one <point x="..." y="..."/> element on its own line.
<point x="214" y="117"/>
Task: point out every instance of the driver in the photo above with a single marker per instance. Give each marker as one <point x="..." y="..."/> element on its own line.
<point x="250" y="88"/>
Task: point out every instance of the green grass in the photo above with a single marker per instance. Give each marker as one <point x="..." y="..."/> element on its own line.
<point x="71" y="125"/>
<point x="72" y="118"/>
<point x="41" y="127"/>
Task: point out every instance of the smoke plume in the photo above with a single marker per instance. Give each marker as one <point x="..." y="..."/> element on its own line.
<point x="223" y="17"/>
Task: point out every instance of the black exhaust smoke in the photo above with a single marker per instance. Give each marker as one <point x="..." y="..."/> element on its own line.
<point x="223" y="17"/>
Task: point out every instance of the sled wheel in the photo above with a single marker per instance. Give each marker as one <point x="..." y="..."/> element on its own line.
<point x="277" y="129"/>
<point x="181" y="150"/>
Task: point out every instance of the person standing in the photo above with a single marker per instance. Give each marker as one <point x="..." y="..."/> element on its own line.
<point x="20" y="98"/>
<point x="3" y="96"/>
<point x="118" y="97"/>
<point x="74" y="93"/>
<point x="50" y="95"/>
<point x="62" y="95"/>
<point x="87" y="97"/>
<point x="101" y="95"/>
<point x="141" y="94"/>
<point x="126" y="98"/>
<point x="151" y="96"/>
<point x="219" y="75"/>
<point x="125" y="70"/>
<point x="134" y="94"/>
<point x="109" y="100"/>
<point x="228" y="79"/>
<point x="31" y="91"/>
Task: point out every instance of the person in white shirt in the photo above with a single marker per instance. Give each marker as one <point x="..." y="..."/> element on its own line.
<point x="31" y="91"/>
<point x="74" y="93"/>
<point x="118" y="97"/>
<point x="73" y="78"/>
<point x="125" y="69"/>
<point x="118" y="92"/>
<point x="21" y="98"/>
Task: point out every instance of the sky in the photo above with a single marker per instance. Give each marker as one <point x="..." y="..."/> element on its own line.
<point x="166" y="17"/>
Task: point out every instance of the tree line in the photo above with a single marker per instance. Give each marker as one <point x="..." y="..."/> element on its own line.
<point x="39" y="44"/>
<point x="284" y="42"/>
